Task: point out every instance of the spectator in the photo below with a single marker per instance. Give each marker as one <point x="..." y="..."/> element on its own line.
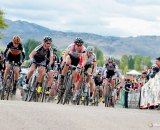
<point x="158" y="62"/>
<point x="127" y="88"/>
<point x="143" y="79"/>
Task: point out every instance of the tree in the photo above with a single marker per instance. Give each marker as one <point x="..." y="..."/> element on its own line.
<point x="3" y="24"/>
<point x="29" y="46"/>
<point x="138" y="62"/>
<point x="124" y="64"/>
<point x="146" y="61"/>
<point x="130" y="62"/>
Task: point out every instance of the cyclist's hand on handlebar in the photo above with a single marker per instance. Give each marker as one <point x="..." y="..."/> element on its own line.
<point x="31" y="60"/>
<point x="49" y="67"/>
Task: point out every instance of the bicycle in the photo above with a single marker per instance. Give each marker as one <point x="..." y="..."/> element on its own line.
<point x="8" y="84"/>
<point x="97" y="95"/>
<point x="31" y="92"/>
<point x="65" y="91"/>
<point x="110" y="94"/>
<point x="83" y="93"/>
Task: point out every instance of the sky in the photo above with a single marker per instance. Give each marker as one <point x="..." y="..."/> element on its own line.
<point x="104" y="17"/>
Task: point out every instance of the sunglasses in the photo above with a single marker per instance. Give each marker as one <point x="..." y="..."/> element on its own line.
<point x="79" y="45"/>
<point x="109" y="62"/>
<point x="16" y="43"/>
<point x="48" y="43"/>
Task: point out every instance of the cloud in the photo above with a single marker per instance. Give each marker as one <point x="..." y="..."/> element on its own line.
<point x="101" y="17"/>
<point x="139" y="2"/>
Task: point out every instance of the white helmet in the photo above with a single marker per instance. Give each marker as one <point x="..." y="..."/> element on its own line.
<point x="90" y="49"/>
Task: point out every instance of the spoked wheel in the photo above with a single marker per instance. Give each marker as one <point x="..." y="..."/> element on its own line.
<point x="107" y="97"/>
<point x="8" y="88"/>
<point x="60" y="96"/>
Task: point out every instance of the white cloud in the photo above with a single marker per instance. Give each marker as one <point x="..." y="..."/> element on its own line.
<point x="141" y="17"/>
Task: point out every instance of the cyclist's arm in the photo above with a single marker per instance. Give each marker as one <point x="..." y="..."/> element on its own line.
<point x="6" y="50"/>
<point x="23" y="54"/>
<point x="84" y="59"/>
<point x="51" y="57"/>
<point x="65" y="55"/>
<point x="94" y="64"/>
<point x="32" y="54"/>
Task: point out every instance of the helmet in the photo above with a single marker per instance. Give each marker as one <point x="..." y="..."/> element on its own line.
<point x="110" y="59"/>
<point x="16" y="39"/>
<point x="144" y="72"/>
<point x="90" y="49"/>
<point x="47" y="39"/>
<point x="78" y="41"/>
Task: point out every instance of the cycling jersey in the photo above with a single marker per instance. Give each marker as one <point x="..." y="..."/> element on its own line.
<point x="110" y="70"/>
<point x="75" y="53"/>
<point x="91" y="59"/>
<point x="42" y="54"/>
<point x="98" y="81"/>
<point x="13" y="53"/>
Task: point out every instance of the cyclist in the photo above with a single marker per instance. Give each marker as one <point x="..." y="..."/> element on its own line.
<point x="39" y="56"/>
<point x="98" y="82"/>
<point x="14" y="53"/>
<point x="110" y="70"/>
<point x="55" y="70"/>
<point x="90" y="65"/>
<point x="2" y="66"/>
<point x="72" y="56"/>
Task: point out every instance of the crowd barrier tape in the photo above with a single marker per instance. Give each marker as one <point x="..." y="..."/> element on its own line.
<point x="120" y="101"/>
<point x="133" y="98"/>
<point x="150" y="92"/>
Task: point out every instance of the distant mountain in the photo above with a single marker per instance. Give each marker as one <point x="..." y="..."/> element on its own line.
<point x="115" y="46"/>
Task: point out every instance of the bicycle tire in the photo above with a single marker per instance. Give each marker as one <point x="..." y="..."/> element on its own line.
<point x="30" y="93"/>
<point x="8" y="86"/>
<point x="68" y="86"/>
<point x="2" y="93"/>
<point x="60" y="99"/>
<point x="43" y="94"/>
<point x="107" y="97"/>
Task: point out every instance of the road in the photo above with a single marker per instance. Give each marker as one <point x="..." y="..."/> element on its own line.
<point x="19" y="115"/>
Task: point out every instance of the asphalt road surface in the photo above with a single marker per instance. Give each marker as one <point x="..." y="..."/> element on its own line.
<point x="19" y="115"/>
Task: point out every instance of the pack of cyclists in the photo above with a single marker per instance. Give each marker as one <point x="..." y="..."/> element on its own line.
<point x="45" y="59"/>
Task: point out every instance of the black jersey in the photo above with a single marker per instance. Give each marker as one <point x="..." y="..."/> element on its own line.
<point x="14" y="53"/>
<point x="110" y="70"/>
<point x="42" y="54"/>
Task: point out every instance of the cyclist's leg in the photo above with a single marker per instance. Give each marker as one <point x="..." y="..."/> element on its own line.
<point x="8" y="66"/>
<point x="78" y="87"/>
<point x="112" y="83"/>
<point x="64" y="70"/>
<point x="92" y="90"/>
<point x="89" y="71"/>
<point x="50" y="80"/>
<point x="16" y="75"/>
<point x="41" y="74"/>
<point x="29" y="74"/>
<point x="105" y="82"/>
<point x="66" y="65"/>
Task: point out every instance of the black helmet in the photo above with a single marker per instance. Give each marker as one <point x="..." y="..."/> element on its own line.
<point x="47" y="39"/>
<point x="110" y="59"/>
<point x="78" y="41"/>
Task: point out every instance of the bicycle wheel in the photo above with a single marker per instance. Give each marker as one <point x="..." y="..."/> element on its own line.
<point x="60" y="96"/>
<point x="67" y="92"/>
<point x="3" y="93"/>
<point x="32" y="92"/>
<point x="43" y="94"/>
<point x="8" y="86"/>
<point x="107" y="97"/>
